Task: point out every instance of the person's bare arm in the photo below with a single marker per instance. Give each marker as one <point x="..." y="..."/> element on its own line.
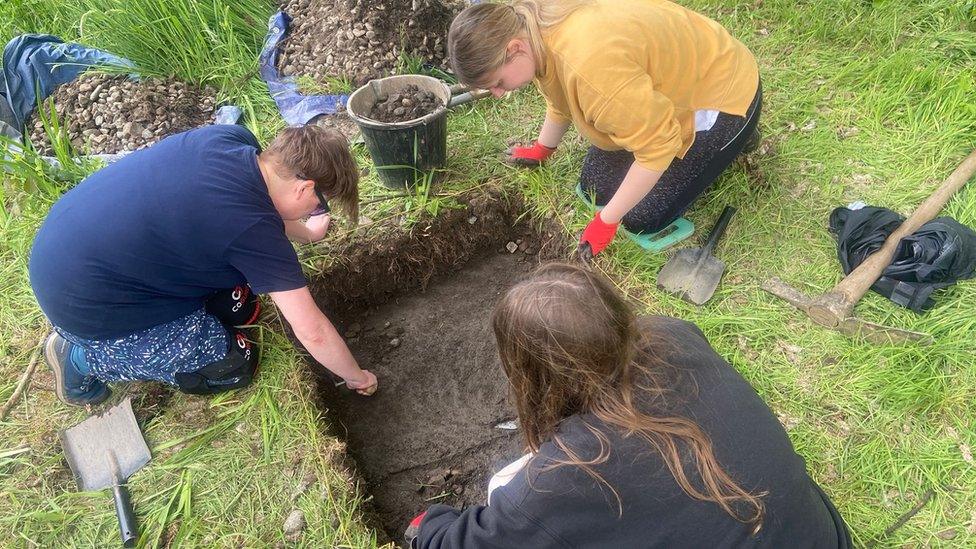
<point x="552" y="132"/>
<point x="316" y="332"/>
<point x="636" y="184"/>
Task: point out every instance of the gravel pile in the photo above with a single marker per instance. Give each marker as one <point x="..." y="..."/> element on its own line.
<point x="109" y="114"/>
<point x="362" y="39"/>
<point x="409" y="103"/>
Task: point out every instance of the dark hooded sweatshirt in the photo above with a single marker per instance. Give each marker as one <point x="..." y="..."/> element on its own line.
<point x="566" y="507"/>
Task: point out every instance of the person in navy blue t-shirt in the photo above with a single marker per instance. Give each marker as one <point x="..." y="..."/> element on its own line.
<point x="147" y="268"/>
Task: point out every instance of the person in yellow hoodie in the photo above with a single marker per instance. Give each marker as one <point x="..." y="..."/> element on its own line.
<point x="666" y="96"/>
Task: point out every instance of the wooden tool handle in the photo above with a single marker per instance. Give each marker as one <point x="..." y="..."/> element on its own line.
<point x="857" y="283"/>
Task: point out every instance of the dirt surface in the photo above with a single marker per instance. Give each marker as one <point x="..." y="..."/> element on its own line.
<point x="109" y="114"/>
<point x="363" y="39"/>
<point x="429" y="432"/>
<point x="429" y="436"/>
<point x="409" y="103"/>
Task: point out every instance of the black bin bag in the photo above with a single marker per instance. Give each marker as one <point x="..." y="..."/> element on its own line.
<point x="937" y="255"/>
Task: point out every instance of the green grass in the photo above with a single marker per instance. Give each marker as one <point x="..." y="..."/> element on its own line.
<point x="869" y="101"/>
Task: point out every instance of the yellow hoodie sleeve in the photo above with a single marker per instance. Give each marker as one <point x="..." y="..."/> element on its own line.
<point x="555" y="113"/>
<point x="636" y="118"/>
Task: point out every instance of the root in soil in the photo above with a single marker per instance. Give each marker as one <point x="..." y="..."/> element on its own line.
<point x="409" y="103"/>
<point x="108" y="114"/>
<point x="364" y="39"/>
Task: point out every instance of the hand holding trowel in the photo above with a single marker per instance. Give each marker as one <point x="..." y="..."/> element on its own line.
<point x="104" y="451"/>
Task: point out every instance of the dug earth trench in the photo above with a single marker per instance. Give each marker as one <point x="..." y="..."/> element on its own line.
<point x="428" y="435"/>
<point x="431" y="433"/>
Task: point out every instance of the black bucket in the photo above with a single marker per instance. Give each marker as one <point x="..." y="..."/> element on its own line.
<point x="403" y="152"/>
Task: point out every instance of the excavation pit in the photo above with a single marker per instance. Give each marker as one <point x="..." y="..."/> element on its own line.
<point x="430" y="434"/>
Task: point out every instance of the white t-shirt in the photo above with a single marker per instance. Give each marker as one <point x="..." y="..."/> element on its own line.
<point x="501" y="478"/>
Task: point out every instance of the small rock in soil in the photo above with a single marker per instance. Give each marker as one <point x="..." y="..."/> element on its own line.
<point x="511" y="247"/>
<point x="472" y="220"/>
<point x="409" y="103"/>
<point x="947" y="534"/>
<point x="354" y="330"/>
<point x="294" y="525"/>
<point x="395" y="342"/>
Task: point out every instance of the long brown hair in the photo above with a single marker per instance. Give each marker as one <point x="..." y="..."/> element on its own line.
<point x="479" y="35"/>
<point x="570" y="344"/>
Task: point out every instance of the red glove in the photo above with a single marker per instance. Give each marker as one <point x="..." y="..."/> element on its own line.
<point x="418" y="519"/>
<point x="597" y="235"/>
<point x="414" y="529"/>
<point x="529" y="156"/>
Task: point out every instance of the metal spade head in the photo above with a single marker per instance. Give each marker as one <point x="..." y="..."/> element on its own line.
<point x="105" y="449"/>
<point x="692" y="274"/>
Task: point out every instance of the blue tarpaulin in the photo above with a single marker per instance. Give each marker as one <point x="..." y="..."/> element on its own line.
<point x="35" y="64"/>
<point x="294" y="107"/>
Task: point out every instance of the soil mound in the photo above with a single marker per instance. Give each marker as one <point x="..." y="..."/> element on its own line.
<point x="363" y="39"/>
<point x="408" y="104"/>
<point x="108" y="114"/>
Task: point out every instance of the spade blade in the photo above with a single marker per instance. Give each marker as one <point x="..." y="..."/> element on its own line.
<point x="691" y="275"/>
<point x="95" y="445"/>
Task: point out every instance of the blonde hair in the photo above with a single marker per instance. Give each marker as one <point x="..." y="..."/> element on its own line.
<point x="570" y="344"/>
<point x="479" y="35"/>
<point x="322" y="155"/>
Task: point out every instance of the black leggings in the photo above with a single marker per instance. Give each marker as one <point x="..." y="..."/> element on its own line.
<point x="684" y="180"/>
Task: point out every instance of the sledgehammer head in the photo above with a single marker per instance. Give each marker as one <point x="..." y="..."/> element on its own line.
<point x="831" y="310"/>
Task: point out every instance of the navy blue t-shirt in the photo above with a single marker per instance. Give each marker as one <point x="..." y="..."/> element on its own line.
<point x="148" y="239"/>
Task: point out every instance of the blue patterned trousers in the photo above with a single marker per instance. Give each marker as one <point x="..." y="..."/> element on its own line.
<point x="183" y="345"/>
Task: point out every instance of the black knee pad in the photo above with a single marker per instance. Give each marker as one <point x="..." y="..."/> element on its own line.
<point x="235" y="370"/>
<point x="235" y="307"/>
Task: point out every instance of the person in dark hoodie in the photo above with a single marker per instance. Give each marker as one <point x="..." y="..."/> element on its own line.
<point x="638" y="435"/>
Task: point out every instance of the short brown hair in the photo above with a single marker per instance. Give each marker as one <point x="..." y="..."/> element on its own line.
<point x="322" y="155"/>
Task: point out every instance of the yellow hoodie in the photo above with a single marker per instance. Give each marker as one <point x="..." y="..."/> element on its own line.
<point x="630" y="74"/>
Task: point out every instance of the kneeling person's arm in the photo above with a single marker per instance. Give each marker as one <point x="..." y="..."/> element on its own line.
<point x="321" y="339"/>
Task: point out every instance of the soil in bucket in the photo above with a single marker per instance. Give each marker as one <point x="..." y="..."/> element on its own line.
<point x="430" y="434"/>
<point x="409" y="150"/>
<point x="410" y="103"/>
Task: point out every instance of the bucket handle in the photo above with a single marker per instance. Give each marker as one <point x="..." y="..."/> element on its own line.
<point x="461" y="94"/>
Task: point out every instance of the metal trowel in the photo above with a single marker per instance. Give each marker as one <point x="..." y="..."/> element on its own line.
<point x="694" y="273"/>
<point x="103" y="452"/>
